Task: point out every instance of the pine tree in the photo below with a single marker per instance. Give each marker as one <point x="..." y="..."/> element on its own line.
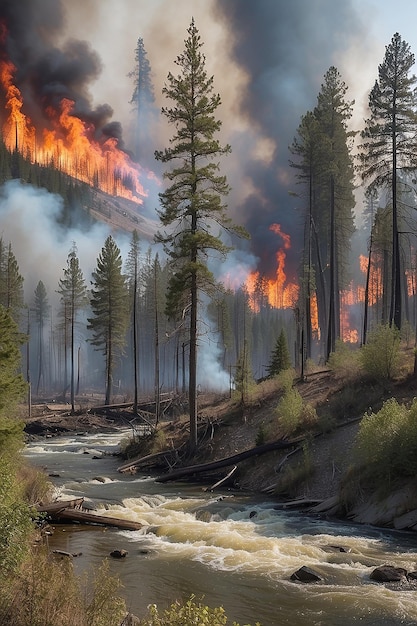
<point x="143" y="100"/>
<point x="192" y="204"/>
<point x="11" y="282"/>
<point x="12" y="385"/>
<point x="336" y="221"/>
<point x="132" y="267"/>
<point x="110" y="313"/>
<point x="73" y="292"/>
<point x="280" y="357"/>
<point x="42" y="311"/>
<point x="389" y="148"/>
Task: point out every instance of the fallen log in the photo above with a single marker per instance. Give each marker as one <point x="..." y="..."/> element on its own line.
<point x="231" y="460"/>
<point x="71" y="510"/>
<point x="59" y="505"/>
<point x="85" y="517"/>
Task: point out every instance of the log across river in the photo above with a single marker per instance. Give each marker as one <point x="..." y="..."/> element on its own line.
<point x="227" y="549"/>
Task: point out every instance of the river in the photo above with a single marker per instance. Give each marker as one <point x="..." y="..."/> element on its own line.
<point x="238" y="551"/>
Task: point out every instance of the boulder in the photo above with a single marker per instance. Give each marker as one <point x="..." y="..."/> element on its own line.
<point x="306" y="575"/>
<point x="119" y="554"/>
<point x="388" y="574"/>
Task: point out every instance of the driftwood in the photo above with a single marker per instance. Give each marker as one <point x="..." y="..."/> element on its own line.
<point x="146" y="460"/>
<point x="70" y="510"/>
<point x="230" y="460"/>
<point x="223" y="480"/>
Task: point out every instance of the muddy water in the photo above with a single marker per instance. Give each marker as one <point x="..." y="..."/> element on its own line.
<point x="235" y="551"/>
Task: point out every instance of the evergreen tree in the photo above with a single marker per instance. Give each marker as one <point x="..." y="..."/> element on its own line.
<point x="73" y="292"/>
<point x="42" y="311"/>
<point x="12" y="385"/>
<point x="11" y="281"/>
<point x="389" y="148"/>
<point x="280" y="357"/>
<point x="192" y="204"/>
<point x="143" y="100"/>
<point x="335" y="221"/>
<point x="132" y="267"/>
<point x="110" y="313"/>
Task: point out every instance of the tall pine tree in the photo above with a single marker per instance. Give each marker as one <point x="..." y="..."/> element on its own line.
<point x="389" y="146"/>
<point x="192" y="204"/>
<point x="73" y="292"/>
<point x="109" y="320"/>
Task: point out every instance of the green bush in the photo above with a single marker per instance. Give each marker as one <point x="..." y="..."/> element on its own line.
<point x="189" y="613"/>
<point x="380" y="355"/>
<point x="344" y="361"/>
<point x="386" y="444"/>
<point x="286" y="379"/>
<point x="15" y="519"/>
<point x="293" y="413"/>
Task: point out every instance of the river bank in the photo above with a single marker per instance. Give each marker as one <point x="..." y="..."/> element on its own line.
<point x="228" y="547"/>
<point x="235" y="428"/>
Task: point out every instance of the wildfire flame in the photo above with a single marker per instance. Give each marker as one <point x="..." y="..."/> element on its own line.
<point x="279" y="293"/>
<point x="68" y="143"/>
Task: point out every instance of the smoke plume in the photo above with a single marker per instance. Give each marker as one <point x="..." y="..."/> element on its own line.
<point x="284" y="49"/>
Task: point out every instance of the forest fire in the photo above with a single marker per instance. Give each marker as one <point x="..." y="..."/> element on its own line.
<point x="279" y="293"/>
<point x="67" y="142"/>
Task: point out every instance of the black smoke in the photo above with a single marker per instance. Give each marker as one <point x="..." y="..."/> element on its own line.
<point x="285" y="48"/>
<point x="48" y="70"/>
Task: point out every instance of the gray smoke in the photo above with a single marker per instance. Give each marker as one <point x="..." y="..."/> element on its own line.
<point x="284" y="48"/>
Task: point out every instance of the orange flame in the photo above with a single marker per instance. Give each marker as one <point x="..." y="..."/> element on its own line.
<point x="279" y="293"/>
<point x="68" y="144"/>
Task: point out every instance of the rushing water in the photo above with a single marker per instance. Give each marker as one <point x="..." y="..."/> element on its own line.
<point x="235" y="551"/>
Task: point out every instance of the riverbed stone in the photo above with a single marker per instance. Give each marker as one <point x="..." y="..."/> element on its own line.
<point x="388" y="574"/>
<point x="119" y="554"/>
<point x="306" y="575"/>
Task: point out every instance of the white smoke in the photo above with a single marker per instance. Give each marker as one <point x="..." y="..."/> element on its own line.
<point x="29" y="223"/>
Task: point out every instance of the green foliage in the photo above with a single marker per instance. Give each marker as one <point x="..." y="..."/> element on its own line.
<point x="289" y="411"/>
<point x="380" y="355"/>
<point x="12" y="385"/>
<point x="110" y="313"/>
<point x="45" y="592"/>
<point x="286" y="379"/>
<point x="260" y="436"/>
<point x="15" y="518"/>
<point x="11" y="281"/>
<point x="293" y="414"/>
<point x="344" y="361"/>
<point x="189" y="613"/>
<point x="280" y="357"/>
<point x="386" y="444"/>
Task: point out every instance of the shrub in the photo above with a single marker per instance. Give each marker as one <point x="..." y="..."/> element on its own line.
<point x="15" y="519"/>
<point x="286" y="379"/>
<point x="386" y="444"/>
<point x="380" y="356"/>
<point x="344" y="361"/>
<point x="294" y="414"/>
<point x="189" y="613"/>
<point x="45" y="592"/>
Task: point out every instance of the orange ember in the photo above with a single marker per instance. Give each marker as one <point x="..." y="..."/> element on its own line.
<point x="68" y="144"/>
